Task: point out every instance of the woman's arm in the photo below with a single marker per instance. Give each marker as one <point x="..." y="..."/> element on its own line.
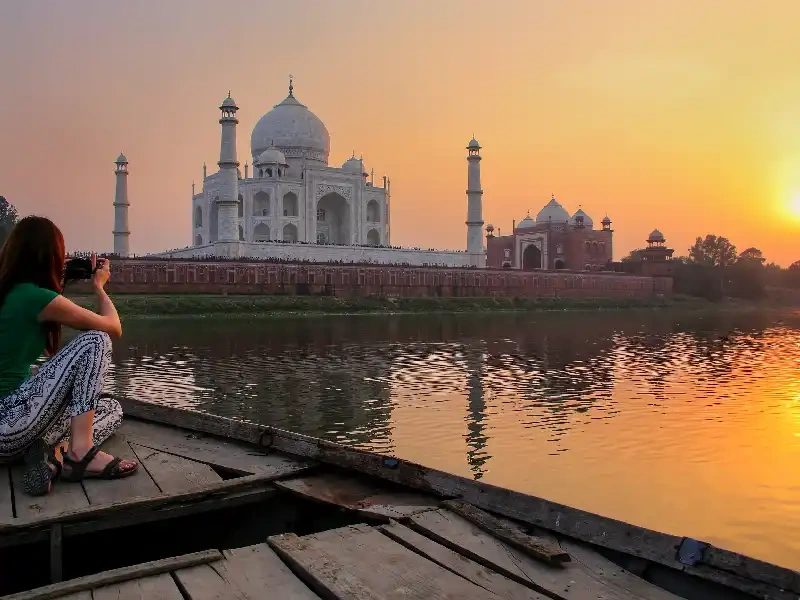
<point x="65" y="312"/>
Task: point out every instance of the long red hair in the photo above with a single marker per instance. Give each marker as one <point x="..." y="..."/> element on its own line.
<point x="34" y="252"/>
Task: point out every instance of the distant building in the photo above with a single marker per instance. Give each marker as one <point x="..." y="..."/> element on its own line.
<point x="655" y="260"/>
<point x="553" y="240"/>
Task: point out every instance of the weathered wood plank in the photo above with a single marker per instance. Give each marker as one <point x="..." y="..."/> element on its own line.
<point x="155" y="587"/>
<point x="567" y="582"/>
<point x="461" y="565"/>
<point x="90" y="582"/>
<point x="368" y="498"/>
<point x="360" y="563"/>
<point x="226" y="454"/>
<point x="540" y="549"/>
<point x="6" y="496"/>
<point x="139" y="485"/>
<point x="581" y="525"/>
<point x="64" y="497"/>
<point x="77" y="596"/>
<point x="173" y="474"/>
<point x="251" y="573"/>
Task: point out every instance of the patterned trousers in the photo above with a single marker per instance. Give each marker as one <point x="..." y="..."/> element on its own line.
<point x="69" y="384"/>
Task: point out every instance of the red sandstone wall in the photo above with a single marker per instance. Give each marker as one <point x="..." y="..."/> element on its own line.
<point x="234" y="277"/>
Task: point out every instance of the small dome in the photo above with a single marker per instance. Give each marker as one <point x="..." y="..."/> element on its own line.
<point x="656" y="236"/>
<point x="587" y="220"/>
<point x="271" y="156"/>
<point x="526" y="223"/>
<point x="490" y="228"/>
<point x="473" y="145"/>
<point x="606" y="220"/>
<point x="229" y="101"/>
<point x="552" y="212"/>
<point x="121" y="159"/>
<point x="353" y="165"/>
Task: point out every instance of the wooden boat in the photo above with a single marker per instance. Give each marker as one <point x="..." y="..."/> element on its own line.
<point x="230" y="509"/>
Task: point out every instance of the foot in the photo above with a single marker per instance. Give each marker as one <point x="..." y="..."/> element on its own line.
<point x="99" y="462"/>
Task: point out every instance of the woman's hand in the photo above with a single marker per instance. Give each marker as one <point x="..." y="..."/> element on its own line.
<point x="101" y="274"/>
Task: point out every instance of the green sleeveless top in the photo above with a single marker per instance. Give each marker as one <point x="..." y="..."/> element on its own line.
<point x="22" y="338"/>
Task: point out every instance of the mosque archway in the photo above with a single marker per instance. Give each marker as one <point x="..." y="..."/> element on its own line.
<point x="198" y="217"/>
<point x="290" y="232"/>
<point x="560" y="264"/>
<point x="335" y="218"/>
<point x="241" y="233"/>
<point x="261" y="204"/>
<point x="261" y="233"/>
<point x="290" y="205"/>
<point x="373" y="212"/>
<point x="373" y="237"/>
<point x="198" y="240"/>
<point x="531" y="258"/>
<point x="241" y="206"/>
<point x="213" y="229"/>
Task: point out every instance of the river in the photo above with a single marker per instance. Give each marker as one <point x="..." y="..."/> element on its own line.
<point x="684" y="423"/>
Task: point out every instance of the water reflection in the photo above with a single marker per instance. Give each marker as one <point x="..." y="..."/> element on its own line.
<point x="687" y="424"/>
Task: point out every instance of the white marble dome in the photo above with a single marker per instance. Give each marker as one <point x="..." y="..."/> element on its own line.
<point x="526" y="223"/>
<point x="270" y="156"/>
<point x="293" y="129"/>
<point x="121" y="159"/>
<point x="587" y="220"/>
<point x="656" y="236"/>
<point x="353" y="165"/>
<point x="552" y="212"/>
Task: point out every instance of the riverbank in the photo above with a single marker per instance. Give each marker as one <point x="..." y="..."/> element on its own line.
<point x="178" y="305"/>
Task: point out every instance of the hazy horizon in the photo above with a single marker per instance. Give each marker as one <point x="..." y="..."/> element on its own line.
<point x="676" y="114"/>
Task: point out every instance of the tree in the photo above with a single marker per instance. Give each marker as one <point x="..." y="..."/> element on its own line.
<point x="633" y="256"/>
<point x="713" y="251"/>
<point x="795" y="265"/>
<point x="8" y="218"/>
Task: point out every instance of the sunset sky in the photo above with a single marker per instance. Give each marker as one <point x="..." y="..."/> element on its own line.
<point x="677" y="114"/>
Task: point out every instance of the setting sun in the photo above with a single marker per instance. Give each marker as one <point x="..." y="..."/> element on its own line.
<point x="794" y="205"/>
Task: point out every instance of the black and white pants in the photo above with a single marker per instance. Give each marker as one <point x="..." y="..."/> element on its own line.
<point x="69" y="384"/>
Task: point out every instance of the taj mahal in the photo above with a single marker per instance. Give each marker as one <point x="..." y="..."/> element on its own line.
<point x="290" y="204"/>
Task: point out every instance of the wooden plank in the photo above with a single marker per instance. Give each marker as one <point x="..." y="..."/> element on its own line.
<point x="174" y="474"/>
<point x="581" y="525"/>
<point x="226" y="454"/>
<point x="77" y="596"/>
<point x="6" y="495"/>
<point x="567" y="582"/>
<point x="368" y="498"/>
<point x="360" y="563"/>
<point x="90" y="582"/>
<point x="155" y="587"/>
<point x="466" y="568"/>
<point x="250" y="573"/>
<point x="538" y="548"/>
<point x="65" y="497"/>
<point x="56" y="553"/>
<point x="139" y="485"/>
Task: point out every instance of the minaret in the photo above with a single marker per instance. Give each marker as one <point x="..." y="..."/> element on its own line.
<point x="121" y="231"/>
<point x="228" y="199"/>
<point x="475" y="205"/>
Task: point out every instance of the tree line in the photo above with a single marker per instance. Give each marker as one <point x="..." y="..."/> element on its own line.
<point x="714" y="269"/>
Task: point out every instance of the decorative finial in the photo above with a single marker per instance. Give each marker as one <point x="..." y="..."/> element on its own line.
<point x="229" y="93"/>
<point x="291" y="87"/>
<point x="552" y="196"/>
<point x="354" y="154"/>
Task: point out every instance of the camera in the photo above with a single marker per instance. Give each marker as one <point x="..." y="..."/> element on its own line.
<point x="80" y="268"/>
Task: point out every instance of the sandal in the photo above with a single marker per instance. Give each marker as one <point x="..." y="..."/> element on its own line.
<point x="77" y="468"/>
<point x="36" y="481"/>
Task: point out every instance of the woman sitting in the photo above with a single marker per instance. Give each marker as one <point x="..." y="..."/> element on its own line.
<point x="60" y="414"/>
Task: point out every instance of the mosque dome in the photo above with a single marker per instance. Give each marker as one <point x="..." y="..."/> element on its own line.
<point x="587" y="220"/>
<point x="526" y="223"/>
<point x="270" y="156"/>
<point x="121" y="159"/>
<point x="353" y="165"/>
<point x="473" y="145"/>
<point x="290" y="125"/>
<point x="606" y="220"/>
<point x="229" y="102"/>
<point x="552" y="212"/>
<point x="656" y="236"/>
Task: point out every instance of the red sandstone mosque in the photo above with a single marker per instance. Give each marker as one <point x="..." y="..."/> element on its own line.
<point x="553" y="240"/>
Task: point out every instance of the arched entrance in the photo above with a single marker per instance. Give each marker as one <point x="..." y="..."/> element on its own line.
<point x="198" y="217"/>
<point x="373" y="237"/>
<point x="333" y="219"/>
<point x="560" y="264"/>
<point x="241" y="234"/>
<point x="198" y="240"/>
<point x="213" y="228"/>
<point x="531" y="258"/>
<point x="373" y="212"/>
<point x="290" y="205"/>
<point x="289" y="232"/>
<point x="261" y="233"/>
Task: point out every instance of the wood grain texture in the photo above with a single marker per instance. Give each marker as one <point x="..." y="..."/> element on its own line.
<point x="360" y="563"/>
<point x="366" y="497"/>
<point x="139" y="485"/>
<point x="174" y="474"/>
<point x="107" y="578"/>
<point x="64" y="497"/>
<point x="6" y="495"/>
<point x="466" y="568"/>
<point x="739" y="572"/>
<point x="155" y="587"/>
<point x="226" y="454"/>
<point x="251" y="573"/>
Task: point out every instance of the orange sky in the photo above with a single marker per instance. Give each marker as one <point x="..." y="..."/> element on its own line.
<point x="677" y="114"/>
